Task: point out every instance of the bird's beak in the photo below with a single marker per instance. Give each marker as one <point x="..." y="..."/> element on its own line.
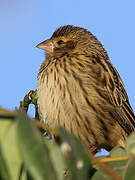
<point x="46" y="45"/>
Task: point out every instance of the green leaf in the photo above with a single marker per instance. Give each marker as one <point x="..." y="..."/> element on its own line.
<point x="76" y="156"/>
<point x="130" y="144"/>
<point x="5" y="125"/>
<point x="9" y="148"/>
<point x="119" y="167"/>
<point x="4" y="172"/>
<point x="58" y="160"/>
<point x="35" y="153"/>
<point x="130" y="174"/>
<point x="100" y="175"/>
<point x="118" y="152"/>
<point x="6" y="114"/>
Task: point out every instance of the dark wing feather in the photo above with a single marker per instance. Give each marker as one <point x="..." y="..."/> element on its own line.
<point x="118" y="96"/>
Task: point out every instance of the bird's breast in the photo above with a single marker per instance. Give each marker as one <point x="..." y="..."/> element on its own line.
<point x="62" y="94"/>
<point x="66" y="94"/>
<point x="70" y="98"/>
<point x="57" y="96"/>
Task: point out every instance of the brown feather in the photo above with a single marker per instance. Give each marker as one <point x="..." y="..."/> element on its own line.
<point x="79" y="89"/>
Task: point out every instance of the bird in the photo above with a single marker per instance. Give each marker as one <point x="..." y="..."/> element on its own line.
<point x="80" y="90"/>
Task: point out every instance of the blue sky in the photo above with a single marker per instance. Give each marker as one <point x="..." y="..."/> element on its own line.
<point x="23" y="24"/>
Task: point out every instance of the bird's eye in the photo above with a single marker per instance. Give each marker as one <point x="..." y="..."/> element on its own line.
<point x="60" y="42"/>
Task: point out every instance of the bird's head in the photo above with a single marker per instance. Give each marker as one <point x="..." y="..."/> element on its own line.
<point x="70" y="40"/>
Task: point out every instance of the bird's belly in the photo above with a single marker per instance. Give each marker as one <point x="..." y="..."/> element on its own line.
<point x="59" y="103"/>
<point x="65" y="103"/>
<point x="62" y="106"/>
<point x="77" y="108"/>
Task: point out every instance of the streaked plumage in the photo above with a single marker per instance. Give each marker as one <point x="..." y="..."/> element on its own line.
<point x="80" y="90"/>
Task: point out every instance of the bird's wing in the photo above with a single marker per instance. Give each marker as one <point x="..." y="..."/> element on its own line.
<point x="118" y="95"/>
